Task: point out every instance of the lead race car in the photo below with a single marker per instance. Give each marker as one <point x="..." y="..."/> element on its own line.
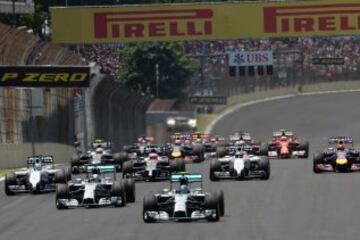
<point x="284" y="144"/>
<point x="340" y="156"/>
<point x="239" y="162"/>
<point x="40" y="176"/>
<point x="96" y="190"/>
<point x="184" y="203"/>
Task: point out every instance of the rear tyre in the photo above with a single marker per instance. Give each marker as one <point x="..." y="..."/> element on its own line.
<point x="117" y="190"/>
<point x="263" y="150"/>
<point x="212" y="203"/>
<point x="264" y="164"/>
<point x="178" y="165"/>
<point x="220" y="195"/>
<point x="129" y="185"/>
<point x="120" y="158"/>
<point x="62" y="192"/>
<point x="150" y="203"/>
<point x="198" y="151"/>
<point x="215" y="166"/>
<point x="220" y="151"/>
<point x="68" y="174"/>
<point x="60" y="176"/>
<point x="128" y="169"/>
<point x="317" y="160"/>
<point x="305" y="147"/>
<point x="10" y="179"/>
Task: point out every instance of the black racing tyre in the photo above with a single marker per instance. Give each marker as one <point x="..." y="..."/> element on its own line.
<point x="60" y="176"/>
<point x="68" y="174"/>
<point x="120" y="158"/>
<point x="198" y="150"/>
<point x="129" y="186"/>
<point x="118" y="190"/>
<point x="177" y="165"/>
<point x="150" y="203"/>
<point x="220" y="151"/>
<point x="62" y="192"/>
<point x="264" y="164"/>
<point x="305" y="146"/>
<point x="220" y="195"/>
<point x="10" y="179"/>
<point x="75" y="170"/>
<point x="215" y="166"/>
<point x="263" y="150"/>
<point x="212" y="202"/>
<point x="128" y="168"/>
<point x="317" y="159"/>
<point x="75" y="160"/>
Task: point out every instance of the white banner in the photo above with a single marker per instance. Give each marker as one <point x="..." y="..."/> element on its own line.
<point x="250" y="58"/>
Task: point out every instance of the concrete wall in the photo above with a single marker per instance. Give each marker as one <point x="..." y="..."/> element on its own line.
<point x="14" y="155"/>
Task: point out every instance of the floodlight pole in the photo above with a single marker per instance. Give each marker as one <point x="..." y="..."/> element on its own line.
<point x="13" y="13"/>
<point x="157" y="75"/>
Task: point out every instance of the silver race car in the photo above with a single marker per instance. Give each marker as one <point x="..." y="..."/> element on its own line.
<point x="240" y="164"/>
<point x="183" y="203"/>
<point x="96" y="190"/>
<point x="40" y="176"/>
<point x="155" y="166"/>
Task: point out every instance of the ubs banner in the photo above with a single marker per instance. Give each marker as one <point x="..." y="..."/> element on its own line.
<point x="205" y="21"/>
<point x="44" y="76"/>
<point x="252" y="58"/>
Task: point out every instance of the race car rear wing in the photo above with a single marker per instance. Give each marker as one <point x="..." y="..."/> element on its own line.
<point x="104" y="145"/>
<point x="344" y="139"/>
<point x="90" y="168"/>
<point x="46" y="159"/>
<point x="191" y="177"/>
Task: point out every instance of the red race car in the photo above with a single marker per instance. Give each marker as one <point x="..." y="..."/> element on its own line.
<point x="284" y="144"/>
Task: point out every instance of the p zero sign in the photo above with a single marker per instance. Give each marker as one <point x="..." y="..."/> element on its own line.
<point x="233" y="20"/>
<point x="44" y="76"/>
<point x="250" y="58"/>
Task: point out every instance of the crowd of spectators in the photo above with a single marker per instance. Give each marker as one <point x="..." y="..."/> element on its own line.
<point x="104" y="55"/>
<point x="293" y="57"/>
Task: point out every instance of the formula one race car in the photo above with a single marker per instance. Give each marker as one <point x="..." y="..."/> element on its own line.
<point x="100" y="154"/>
<point x="241" y="137"/>
<point x="340" y="156"/>
<point x="239" y="164"/>
<point x="184" y="203"/>
<point x="284" y="144"/>
<point x="96" y="190"/>
<point x="40" y="176"/>
<point x="156" y="166"/>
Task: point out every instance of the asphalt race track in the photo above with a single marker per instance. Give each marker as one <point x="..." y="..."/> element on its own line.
<point x="295" y="204"/>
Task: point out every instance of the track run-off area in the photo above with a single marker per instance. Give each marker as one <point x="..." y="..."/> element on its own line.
<point x="294" y="204"/>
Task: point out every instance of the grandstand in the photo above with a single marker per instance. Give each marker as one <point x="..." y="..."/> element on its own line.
<point x="17" y="47"/>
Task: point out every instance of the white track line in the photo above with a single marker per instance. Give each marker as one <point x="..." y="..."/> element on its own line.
<point x="209" y="129"/>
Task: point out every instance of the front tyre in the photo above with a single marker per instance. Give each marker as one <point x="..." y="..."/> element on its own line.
<point x="150" y="204"/>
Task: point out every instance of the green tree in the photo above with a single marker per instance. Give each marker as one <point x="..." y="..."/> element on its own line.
<point x="139" y="69"/>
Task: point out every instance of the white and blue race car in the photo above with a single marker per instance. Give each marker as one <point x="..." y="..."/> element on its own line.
<point x="40" y="176"/>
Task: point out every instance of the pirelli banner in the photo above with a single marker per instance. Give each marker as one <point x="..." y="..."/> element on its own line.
<point x="205" y="21"/>
<point x="44" y="76"/>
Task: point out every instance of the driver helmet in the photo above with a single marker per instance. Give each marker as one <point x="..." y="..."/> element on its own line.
<point x="38" y="166"/>
<point x="99" y="150"/>
<point x="239" y="154"/>
<point x="184" y="189"/>
<point x="96" y="177"/>
<point x="340" y="146"/>
<point x="283" y="138"/>
<point x="153" y="156"/>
